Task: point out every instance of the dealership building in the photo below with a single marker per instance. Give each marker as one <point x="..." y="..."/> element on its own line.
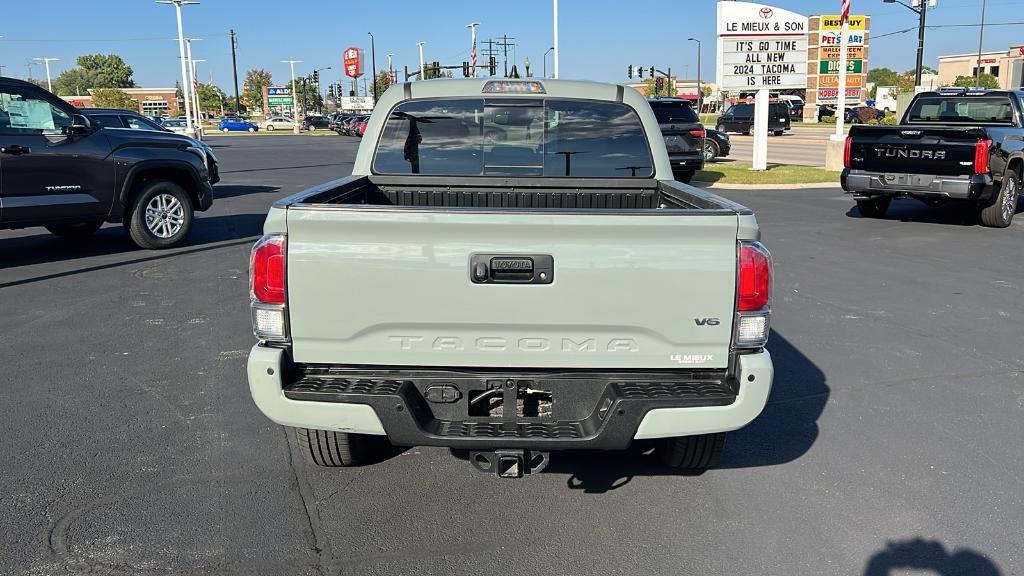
<point x="150" y="101"/>
<point x="1006" y="65"/>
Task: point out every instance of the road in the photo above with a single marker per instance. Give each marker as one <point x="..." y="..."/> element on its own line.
<point x="891" y="439"/>
<point x="793" y="147"/>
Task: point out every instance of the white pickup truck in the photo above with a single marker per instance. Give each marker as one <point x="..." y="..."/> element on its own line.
<point x="510" y="270"/>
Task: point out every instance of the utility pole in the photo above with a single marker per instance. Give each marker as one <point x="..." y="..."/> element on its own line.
<point x="422" y="68"/>
<point x="505" y="45"/>
<point x="981" y="38"/>
<point x="49" y="85"/>
<point x="295" y="97"/>
<point x="234" y="69"/>
<point x="920" y="45"/>
<point x="189" y="128"/>
<point x="489" y="52"/>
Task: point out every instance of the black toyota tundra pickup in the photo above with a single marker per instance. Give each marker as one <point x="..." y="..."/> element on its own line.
<point x="952" y="145"/>
<point x="61" y="171"/>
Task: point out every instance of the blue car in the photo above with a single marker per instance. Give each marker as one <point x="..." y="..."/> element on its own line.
<point x="236" y="124"/>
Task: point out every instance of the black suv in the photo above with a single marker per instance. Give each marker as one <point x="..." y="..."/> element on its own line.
<point x="683" y="133"/>
<point x="61" y="171"/>
<point x="314" y="122"/>
<point x="740" y="118"/>
<point x="117" y="118"/>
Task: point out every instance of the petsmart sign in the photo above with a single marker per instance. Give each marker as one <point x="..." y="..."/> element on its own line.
<point x="760" y="46"/>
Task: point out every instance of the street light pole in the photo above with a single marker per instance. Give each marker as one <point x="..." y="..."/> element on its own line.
<point x="46" y="61"/>
<point x="319" y="97"/>
<point x="295" y="98"/>
<point x="546" y="60"/>
<point x="422" y="68"/>
<point x="700" y="91"/>
<point x="192" y="87"/>
<point x="373" y="61"/>
<point x="556" y="39"/>
<point x="391" y="70"/>
<point x="189" y="129"/>
<point x="195" y="94"/>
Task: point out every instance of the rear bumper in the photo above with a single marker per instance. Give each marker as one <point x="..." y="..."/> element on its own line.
<point x="589" y="410"/>
<point x="687" y="161"/>
<point x="973" y="187"/>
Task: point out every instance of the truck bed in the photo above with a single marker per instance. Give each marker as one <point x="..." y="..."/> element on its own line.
<point x="515" y="194"/>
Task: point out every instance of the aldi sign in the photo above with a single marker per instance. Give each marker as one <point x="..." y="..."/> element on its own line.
<point x="352" y="58"/>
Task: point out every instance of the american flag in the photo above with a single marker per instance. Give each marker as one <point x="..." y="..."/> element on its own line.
<point x="472" y="61"/>
<point x="845" y="15"/>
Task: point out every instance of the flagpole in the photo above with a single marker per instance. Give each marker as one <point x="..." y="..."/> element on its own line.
<point x="472" y="51"/>
<point x="844" y="18"/>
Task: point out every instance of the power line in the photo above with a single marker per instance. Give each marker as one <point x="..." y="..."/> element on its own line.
<point x="140" y="39"/>
<point x="905" y="30"/>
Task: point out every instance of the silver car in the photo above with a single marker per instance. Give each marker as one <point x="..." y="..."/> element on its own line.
<point x="277" y="123"/>
<point x="178" y="126"/>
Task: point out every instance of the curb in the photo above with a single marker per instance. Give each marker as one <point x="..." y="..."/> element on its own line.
<point x="801" y="186"/>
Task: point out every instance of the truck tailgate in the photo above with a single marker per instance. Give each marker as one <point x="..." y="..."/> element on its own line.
<point x="914" y="149"/>
<point x="394" y="287"/>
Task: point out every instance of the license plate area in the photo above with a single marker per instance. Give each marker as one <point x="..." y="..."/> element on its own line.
<point x="907" y="180"/>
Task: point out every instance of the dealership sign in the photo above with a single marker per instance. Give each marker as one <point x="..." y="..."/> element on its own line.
<point x="353" y="61"/>
<point x="760" y="47"/>
<point x="357" y="102"/>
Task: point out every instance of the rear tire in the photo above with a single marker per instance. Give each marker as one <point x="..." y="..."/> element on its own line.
<point x="720" y="128"/>
<point x="75" y="231"/>
<point x="224" y="130"/>
<point x="1000" y="213"/>
<point x="778" y="132"/>
<point x="875" y="207"/>
<point x="146" y="223"/>
<point x="695" y="453"/>
<point x="711" y="150"/>
<point x="270" y="128"/>
<point x="334" y="449"/>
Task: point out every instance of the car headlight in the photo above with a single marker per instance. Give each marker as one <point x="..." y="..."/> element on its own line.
<point x="198" y="151"/>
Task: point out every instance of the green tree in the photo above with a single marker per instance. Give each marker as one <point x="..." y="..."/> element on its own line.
<point x="94" y="71"/>
<point x="430" y="72"/>
<point x="383" y="81"/>
<point x="307" y="93"/>
<point x="255" y="80"/>
<point x="210" y="98"/>
<point x="113" y="98"/>
<point x="985" y="81"/>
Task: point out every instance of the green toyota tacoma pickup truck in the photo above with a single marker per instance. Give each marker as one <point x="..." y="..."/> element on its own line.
<point x="510" y="270"/>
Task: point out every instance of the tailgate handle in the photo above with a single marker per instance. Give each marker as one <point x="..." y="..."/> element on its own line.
<point x="511" y="269"/>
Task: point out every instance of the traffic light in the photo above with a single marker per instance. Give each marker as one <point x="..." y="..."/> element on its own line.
<point x="652" y="71"/>
<point x="465" y="69"/>
<point x="629" y="71"/>
<point x="492" y="66"/>
<point x="316" y="77"/>
<point x="659" y="85"/>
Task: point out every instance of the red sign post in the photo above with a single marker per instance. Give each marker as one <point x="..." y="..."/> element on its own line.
<point x="353" y="60"/>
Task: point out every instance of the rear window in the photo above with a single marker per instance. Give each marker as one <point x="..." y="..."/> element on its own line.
<point x="961" y="110"/>
<point x="514" y="137"/>
<point x="668" y="112"/>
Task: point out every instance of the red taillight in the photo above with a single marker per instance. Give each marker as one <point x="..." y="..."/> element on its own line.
<point x="754" y="285"/>
<point x="266" y="270"/>
<point x="362" y="128"/>
<point x="981" y="150"/>
<point x="847" y="147"/>
<point x="698" y="132"/>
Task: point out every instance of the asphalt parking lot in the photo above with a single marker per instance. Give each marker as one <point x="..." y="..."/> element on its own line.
<point x="891" y="442"/>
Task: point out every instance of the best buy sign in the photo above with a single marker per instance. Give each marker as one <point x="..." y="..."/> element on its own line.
<point x="832" y="66"/>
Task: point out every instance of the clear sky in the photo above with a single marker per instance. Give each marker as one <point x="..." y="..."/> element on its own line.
<point x="598" y="38"/>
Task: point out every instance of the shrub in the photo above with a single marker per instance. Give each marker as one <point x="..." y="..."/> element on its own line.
<point x="829" y="119"/>
<point x="890" y="120"/>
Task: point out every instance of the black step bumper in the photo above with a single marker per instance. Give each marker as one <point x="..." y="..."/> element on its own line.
<point x="434" y="407"/>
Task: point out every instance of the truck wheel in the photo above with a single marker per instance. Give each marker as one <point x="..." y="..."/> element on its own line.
<point x="75" y="231"/>
<point x="1000" y="213"/>
<point x="778" y="132"/>
<point x="334" y="449"/>
<point x="692" y="452"/>
<point x="161" y="215"/>
<point x="874" y="207"/>
<point x="710" y="150"/>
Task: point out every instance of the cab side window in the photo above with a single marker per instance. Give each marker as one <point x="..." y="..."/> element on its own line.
<point x="25" y="112"/>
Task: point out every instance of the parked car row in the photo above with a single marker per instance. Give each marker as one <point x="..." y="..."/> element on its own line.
<point x="351" y="125"/>
<point x="854" y="114"/>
